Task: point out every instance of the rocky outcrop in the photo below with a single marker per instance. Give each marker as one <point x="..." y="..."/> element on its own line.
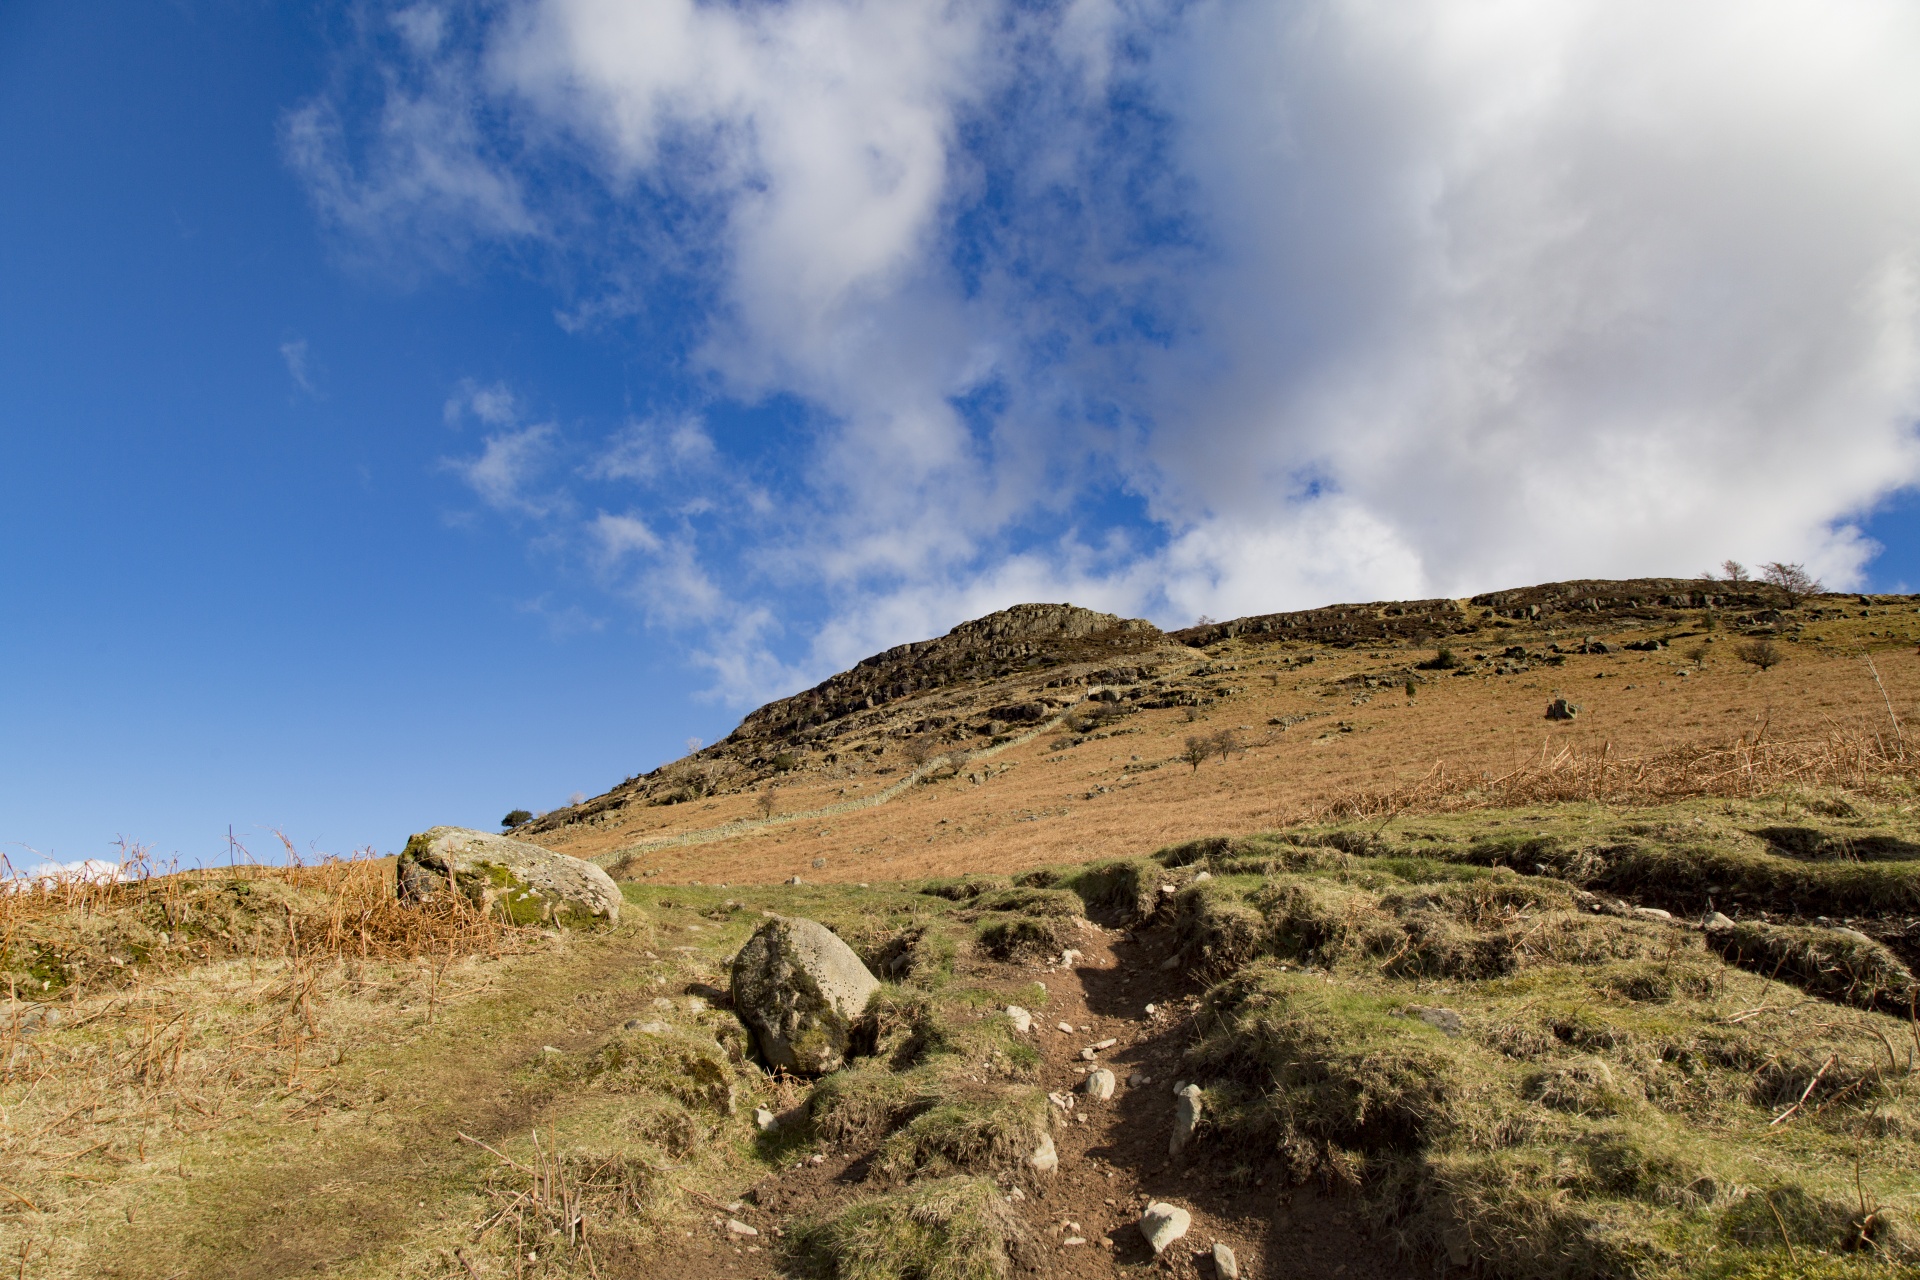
<point x="521" y="882"/>
<point x="1027" y="636"/>
<point x="800" y="988"/>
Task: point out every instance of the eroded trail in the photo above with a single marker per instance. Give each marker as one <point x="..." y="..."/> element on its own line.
<point x="1082" y="1220"/>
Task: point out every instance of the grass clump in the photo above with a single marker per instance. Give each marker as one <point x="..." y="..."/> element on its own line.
<point x="998" y="1133"/>
<point x="1021" y="938"/>
<point x="951" y="1229"/>
<point x="1605" y="1117"/>
<point x="1838" y="964"/>
<point x="1117" y="892"/>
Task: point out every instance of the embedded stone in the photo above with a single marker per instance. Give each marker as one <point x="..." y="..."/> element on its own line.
<point x="1162" y="1224"/>
<point x="520" y="882"/>
<point x="800" y="988"/>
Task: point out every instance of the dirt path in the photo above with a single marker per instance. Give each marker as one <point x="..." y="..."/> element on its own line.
<point x="1113" y="1156"/>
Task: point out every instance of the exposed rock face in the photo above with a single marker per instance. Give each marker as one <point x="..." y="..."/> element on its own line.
<point x="1027" y="635"/>
<point x="522" y="882"/>
<point x="1645" y="599"/>
<point x="799" y="987"/>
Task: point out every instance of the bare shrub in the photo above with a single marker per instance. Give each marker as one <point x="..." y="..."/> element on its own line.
<point x="1792" y="580"/>
<point x="1226" y="742"/>
<point x="1196" y="751"/>
<point x="1734" y="571"/>
<point x="764" y="803"/>
<point x="1762" y="653"/>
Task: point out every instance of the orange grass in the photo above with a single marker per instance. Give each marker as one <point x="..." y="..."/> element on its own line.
<point x="1856" y="760"/>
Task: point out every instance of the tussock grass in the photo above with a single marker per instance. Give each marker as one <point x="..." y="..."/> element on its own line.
<point x="1549" y="1092"/>
<point x="996" y="1133"/>
<point x="1838" y="964"/>
<point x="951" y="1229"/>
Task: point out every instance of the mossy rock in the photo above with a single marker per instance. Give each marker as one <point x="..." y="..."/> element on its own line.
<point x="523" y="883"/>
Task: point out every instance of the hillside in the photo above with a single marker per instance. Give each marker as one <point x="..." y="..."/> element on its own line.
<point x="1318" y="701"/>
<point x="1313" y="926"/>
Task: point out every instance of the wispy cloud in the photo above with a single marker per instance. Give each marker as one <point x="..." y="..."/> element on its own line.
<point x="1181" y="307"/>
<point x="299" y="367"/>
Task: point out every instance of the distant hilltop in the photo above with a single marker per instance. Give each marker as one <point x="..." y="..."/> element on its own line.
<point x="986" y="678"/>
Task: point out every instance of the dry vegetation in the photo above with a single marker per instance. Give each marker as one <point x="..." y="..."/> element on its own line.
<point x="1441" y="985"/>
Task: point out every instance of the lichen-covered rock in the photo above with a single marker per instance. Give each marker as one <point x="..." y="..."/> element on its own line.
<point x="799" y="987"/>
<point x="521" y="882"/>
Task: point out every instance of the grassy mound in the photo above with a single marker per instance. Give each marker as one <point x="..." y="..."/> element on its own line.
<point x="950" y="1229"/>
<point x="1541" y="1089"/>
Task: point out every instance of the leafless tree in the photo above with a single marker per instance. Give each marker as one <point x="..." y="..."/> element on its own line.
<point x="1793" y="580"/>
<point x="1762" y="653"/>
<point x="1226" y="742"/>
<point x="1197" y="750"/>
<point x="1734" y="571"/>
<point x="764" y="803"/>
<point x="920" y="750"/>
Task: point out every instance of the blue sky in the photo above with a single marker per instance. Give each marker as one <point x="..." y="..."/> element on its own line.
<point x="410" y="412"/>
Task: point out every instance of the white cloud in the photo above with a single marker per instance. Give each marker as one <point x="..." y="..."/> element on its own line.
<point x="1358" y="299"/>
<point x="493" y="404"/>
<point x="298" y="361"/>
<point x="505" y="472"/>
<point x="46" y="876"/>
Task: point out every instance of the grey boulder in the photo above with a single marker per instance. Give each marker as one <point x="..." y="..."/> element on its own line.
<point x="1162" y="1224"/>
<point x="800" y="988"/>
<point x="521" y="882"/>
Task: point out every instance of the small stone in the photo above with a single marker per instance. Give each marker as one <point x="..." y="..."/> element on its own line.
<point x="1204" y="875"/>
<point x="735" y="1227"/>
<point x="1446" y="1020"/>
<point x="1045" y="1157"/>
<point x="1064" y="1101"/>
<point x="818" y="863"/>
<point x="1171" y="963"/>
<point x="1074" y="1240"/>
<point x="765" y="1120"/>
<point x="1108" y="1043"/>
<point x="795" y="880"/>
<point x="1225" y="1265"/>
<point x="1021" y="1019"/>
<point x="1186" y="1118"/>
<point x="1653" y="913"/>
<point x="1098" y="1085"/>
<point x="1150" y="1009"/>
<point x="1066" y="1028"/>
<point x="1716" y="921"/>
<point x="1069" y="958"/>
<point x="1137" y="1079"/>
<point x="1162" y="1224"/>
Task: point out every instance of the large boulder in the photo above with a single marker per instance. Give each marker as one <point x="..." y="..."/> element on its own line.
<point x="521" y="882"/>
<point x="799" y="987"/>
